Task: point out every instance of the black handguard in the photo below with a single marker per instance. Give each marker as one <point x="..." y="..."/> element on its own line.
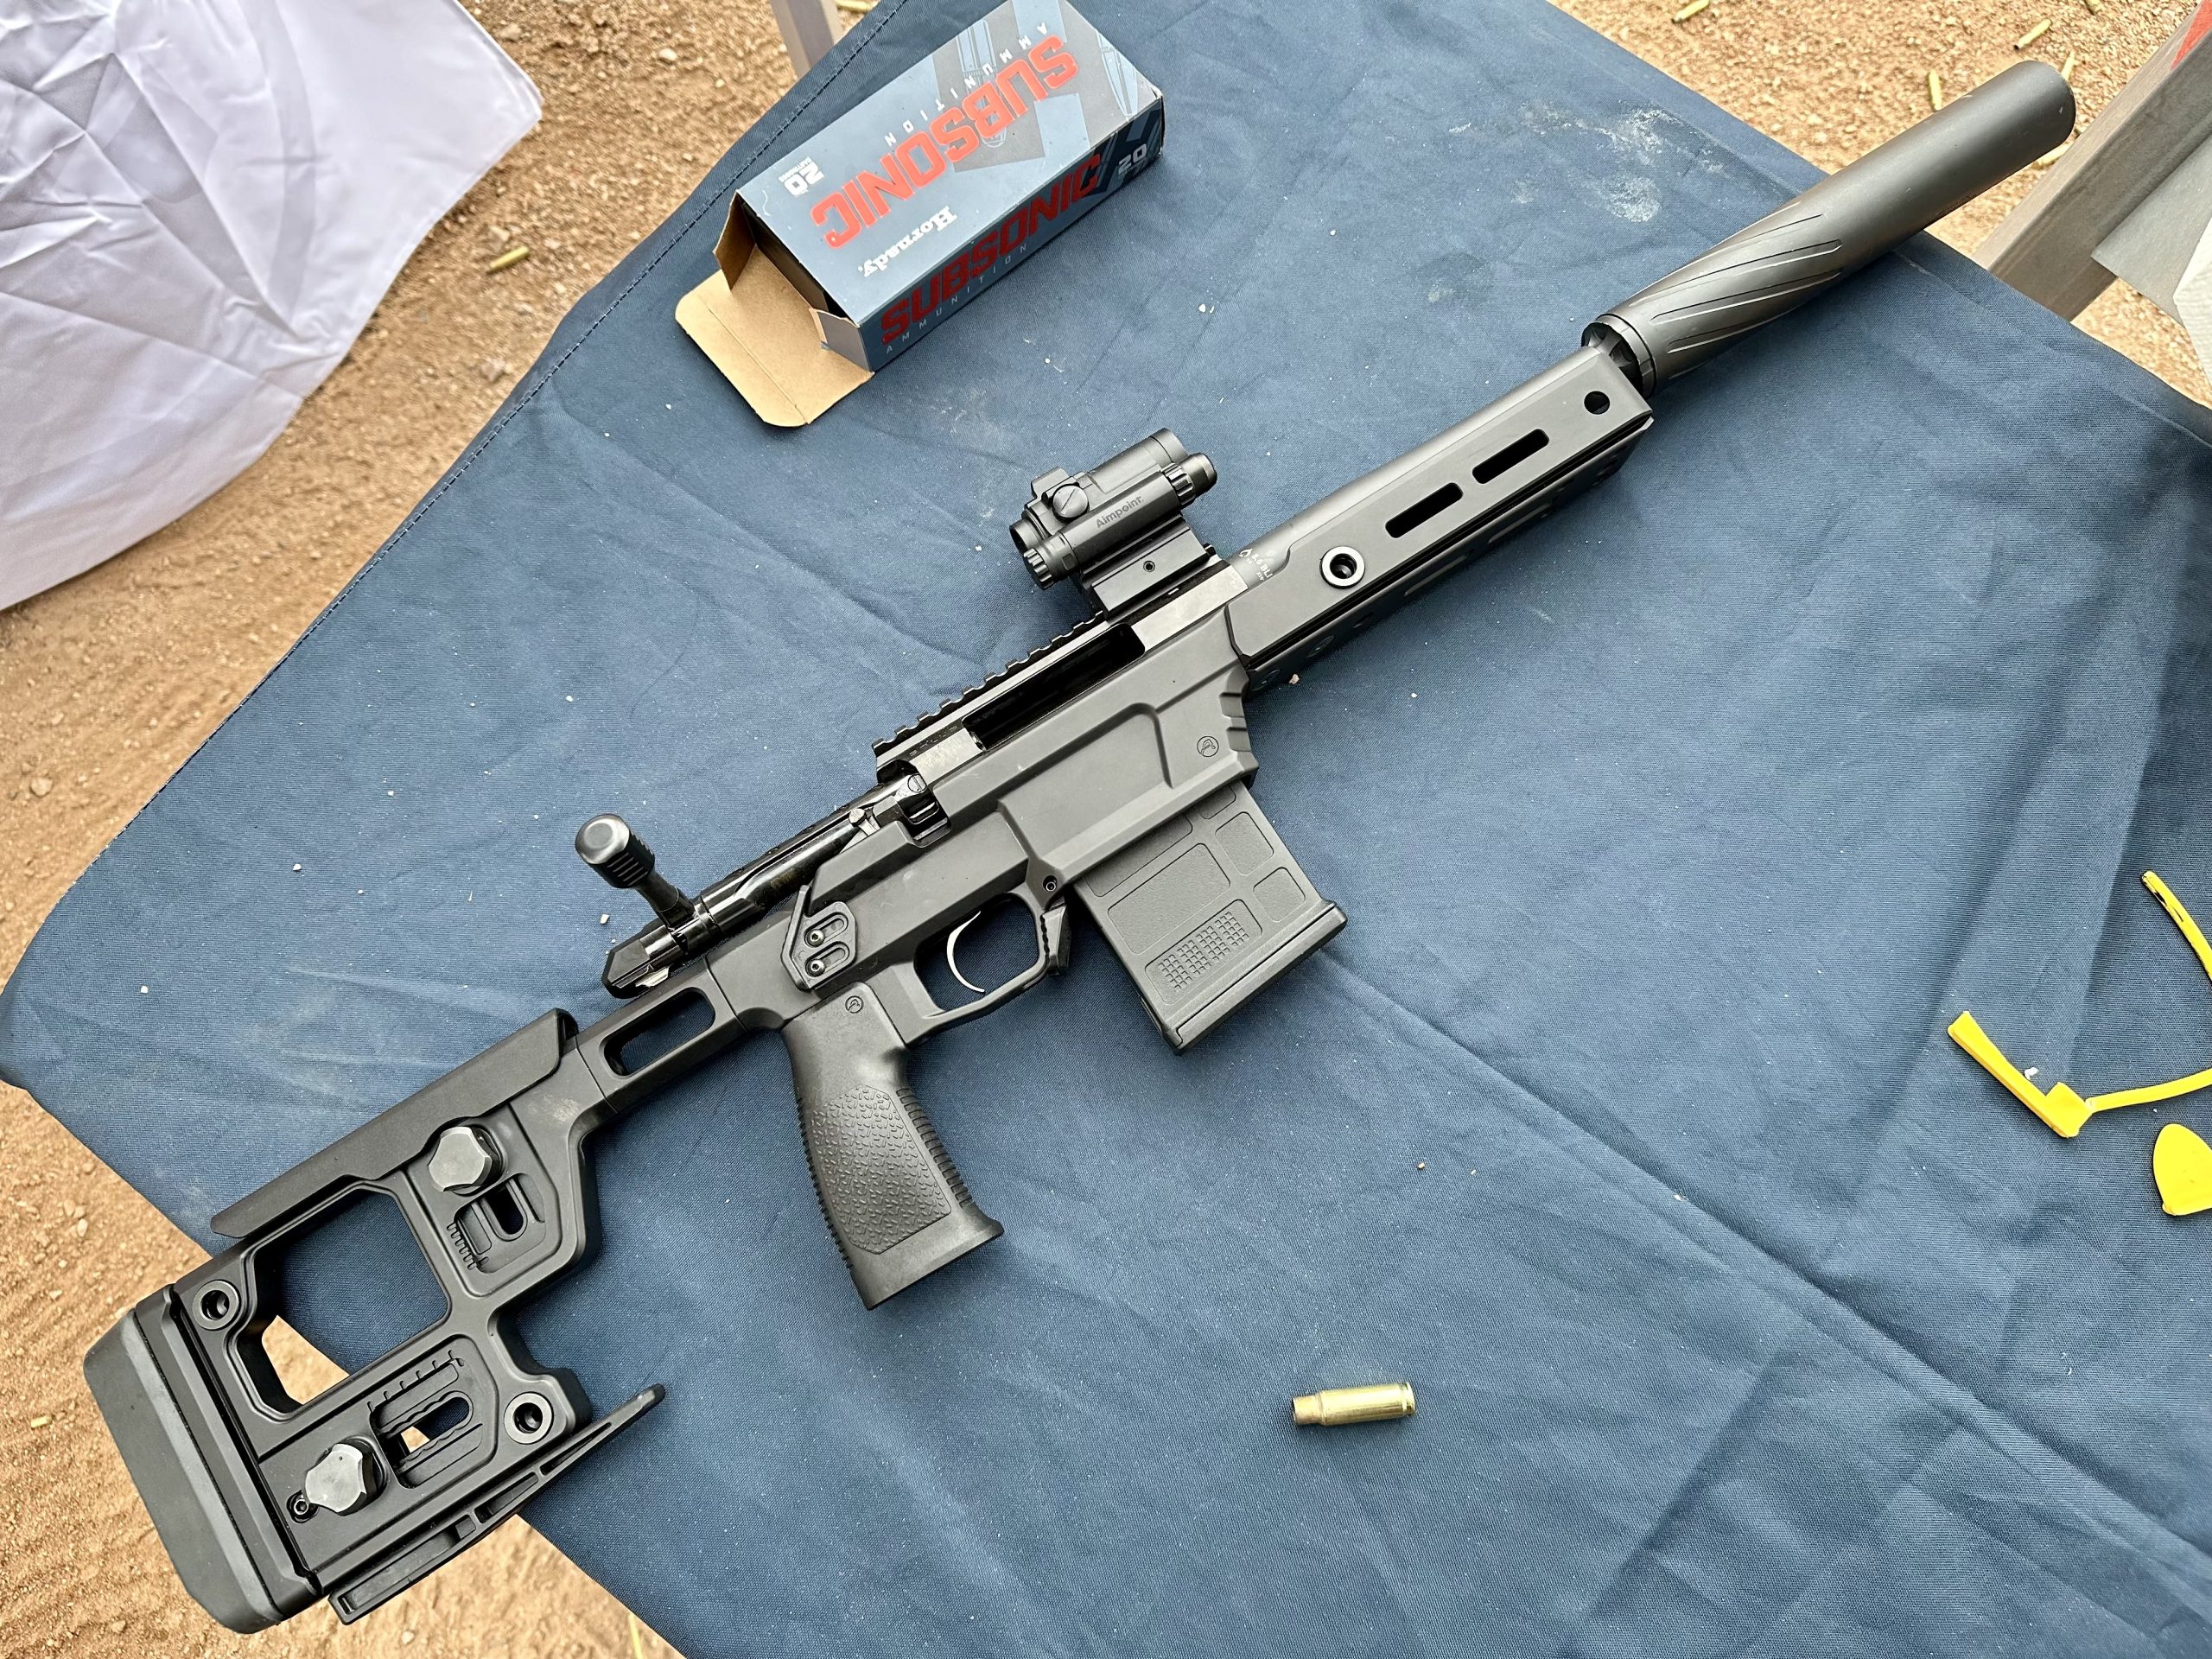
<point x="894" y="1203"/>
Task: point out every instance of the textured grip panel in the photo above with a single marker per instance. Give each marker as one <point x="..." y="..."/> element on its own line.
<point x="894" y="1203"/>
<point x="873" y="1169"/>
<point x="1857" y="215"/>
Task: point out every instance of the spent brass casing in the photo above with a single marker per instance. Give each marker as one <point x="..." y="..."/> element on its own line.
<point x="1372" y="1404"/>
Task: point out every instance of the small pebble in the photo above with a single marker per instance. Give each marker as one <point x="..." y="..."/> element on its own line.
<point x="666" y="55"/>
<point x="41" y="1420"/>
<point x="296" y="869"/>
<point x="1421" y="1165"/>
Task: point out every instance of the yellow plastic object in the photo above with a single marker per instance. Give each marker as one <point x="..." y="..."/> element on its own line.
<point x="2182" y="1164"/>
<point x="2181" y="919"/>
<point x="2059" y="1106"/>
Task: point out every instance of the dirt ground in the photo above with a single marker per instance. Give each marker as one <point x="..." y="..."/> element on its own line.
<point x="108" y="683"/>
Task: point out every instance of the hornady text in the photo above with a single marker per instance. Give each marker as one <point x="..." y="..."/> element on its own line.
<point x="954" y="136"/>
<point x="973" y="262"/>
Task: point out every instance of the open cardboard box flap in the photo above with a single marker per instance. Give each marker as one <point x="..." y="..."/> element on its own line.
<point x="1012" y="131"/>
<point x="762" y="335"/>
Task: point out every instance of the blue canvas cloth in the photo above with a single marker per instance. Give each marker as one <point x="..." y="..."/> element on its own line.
<point x="1746" y="1316"/>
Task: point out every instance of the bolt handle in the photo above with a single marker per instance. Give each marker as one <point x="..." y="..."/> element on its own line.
<point x="620" y="856"/>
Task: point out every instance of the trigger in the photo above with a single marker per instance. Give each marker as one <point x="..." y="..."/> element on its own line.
<point x="1060" y="943"/>
<point x="952" y="959"/>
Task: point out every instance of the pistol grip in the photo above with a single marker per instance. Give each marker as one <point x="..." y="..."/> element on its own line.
<point x="894" y="1203"/>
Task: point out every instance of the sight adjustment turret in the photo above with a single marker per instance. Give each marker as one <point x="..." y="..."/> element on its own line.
<point x="1081" y="525"/>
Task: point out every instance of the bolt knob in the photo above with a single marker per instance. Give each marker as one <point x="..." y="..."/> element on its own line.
<point x="464" y="1159"/>
<point x="342" y="1479"/>
<point x="613" y="847"/>
<point x="623" y="860"/>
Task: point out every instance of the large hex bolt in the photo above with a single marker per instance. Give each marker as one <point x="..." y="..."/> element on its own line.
<point x="343" y="1478"/>
<point x="465" y="1158"/>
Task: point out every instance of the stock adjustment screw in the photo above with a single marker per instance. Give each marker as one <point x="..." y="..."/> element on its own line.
<point x="464" y="1159"/>
<point x="343" y="1478"/>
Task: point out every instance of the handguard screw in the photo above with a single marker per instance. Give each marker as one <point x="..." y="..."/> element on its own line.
<point x="464" y="1159"/>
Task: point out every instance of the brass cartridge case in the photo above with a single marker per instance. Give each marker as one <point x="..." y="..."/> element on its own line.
<point x="1371" y="1404"/>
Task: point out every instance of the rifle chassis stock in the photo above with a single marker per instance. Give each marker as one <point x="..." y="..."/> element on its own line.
<point x="1111" y="763"/>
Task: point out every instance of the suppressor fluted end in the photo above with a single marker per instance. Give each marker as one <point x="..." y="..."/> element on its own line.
<point x="1377" y="1402"/>
<point x="1769" y="269"/>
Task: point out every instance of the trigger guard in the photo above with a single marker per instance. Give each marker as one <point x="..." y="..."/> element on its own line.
<point x="915" y="1012"/>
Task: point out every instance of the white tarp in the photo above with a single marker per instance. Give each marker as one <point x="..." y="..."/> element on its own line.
<point x="202" y="201"/>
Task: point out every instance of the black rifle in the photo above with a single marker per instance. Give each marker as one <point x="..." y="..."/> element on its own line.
<point x="1111" y="763"/>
